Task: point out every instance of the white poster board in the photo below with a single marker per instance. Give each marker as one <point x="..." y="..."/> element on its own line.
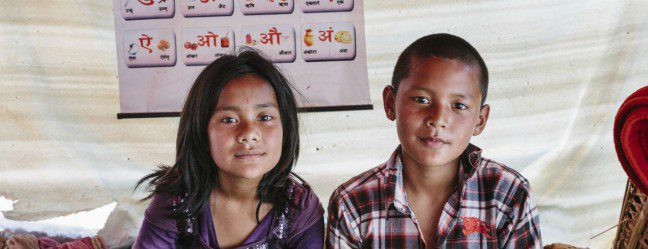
<point x="162" y="45"/>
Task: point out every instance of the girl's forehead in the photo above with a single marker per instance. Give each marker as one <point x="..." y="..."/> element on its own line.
<point x="247" y="89"/>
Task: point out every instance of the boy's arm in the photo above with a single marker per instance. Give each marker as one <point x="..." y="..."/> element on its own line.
<point x="524" y="229"/>
<point x="342" y="229"/>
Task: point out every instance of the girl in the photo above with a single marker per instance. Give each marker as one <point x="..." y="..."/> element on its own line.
<point x="231" y="185"/>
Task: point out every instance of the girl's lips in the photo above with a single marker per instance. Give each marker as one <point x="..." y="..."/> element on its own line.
<point x="249" y="154"/>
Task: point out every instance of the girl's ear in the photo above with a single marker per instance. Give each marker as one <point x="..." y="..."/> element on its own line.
<point x="483" y="117"/>
<point x="389" y="96"/>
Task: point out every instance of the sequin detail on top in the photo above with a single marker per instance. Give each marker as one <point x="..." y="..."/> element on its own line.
<point x="186" y="226"/>
<point x="279" y="231"/>
<point x="283" y="221"/>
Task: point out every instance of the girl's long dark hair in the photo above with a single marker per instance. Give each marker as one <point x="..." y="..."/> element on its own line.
<point x="194" y="172"/>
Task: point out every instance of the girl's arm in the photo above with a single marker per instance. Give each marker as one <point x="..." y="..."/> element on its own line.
<point x="312" y="237"/>
<point x="158" y="228"/>
<point x="151" y="236"/>
<point x="307" y="229"/>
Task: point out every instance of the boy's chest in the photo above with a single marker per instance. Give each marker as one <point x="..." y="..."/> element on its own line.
<point x="467" y="228"/>
<point x="426" y="213"/>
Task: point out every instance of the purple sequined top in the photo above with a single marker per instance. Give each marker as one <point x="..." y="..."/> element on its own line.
<point x="301" y="227"/>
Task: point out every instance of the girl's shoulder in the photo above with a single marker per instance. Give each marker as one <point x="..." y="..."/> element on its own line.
<point x="307" y="209"/>
<point x="160" y="212"/>
<point x="301" y="194"/>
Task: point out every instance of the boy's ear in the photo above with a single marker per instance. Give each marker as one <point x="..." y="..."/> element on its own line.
<point x="389" y="97"/>
<point x="483" y="117"/>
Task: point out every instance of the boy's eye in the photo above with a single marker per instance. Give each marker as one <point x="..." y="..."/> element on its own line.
<point x="422" y="100"/>
<point x="460" y="106"/>
<point x="266" y="118"/>
<point x="228" y="120"/>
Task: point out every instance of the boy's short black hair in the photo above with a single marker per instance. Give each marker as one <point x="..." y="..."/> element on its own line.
<point x="443" y="46"/>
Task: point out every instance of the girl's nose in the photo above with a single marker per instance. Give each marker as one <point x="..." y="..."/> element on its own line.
<point x="248" y="133"/>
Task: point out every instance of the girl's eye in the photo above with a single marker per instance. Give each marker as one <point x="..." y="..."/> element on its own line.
<point x="460" y="106"/>
<point x="265" y="118"/>
<point x="422" y="100"/>
<point x="228" y="120"/>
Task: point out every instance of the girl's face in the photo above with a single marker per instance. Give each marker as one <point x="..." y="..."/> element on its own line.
<point x="245" y="131"/>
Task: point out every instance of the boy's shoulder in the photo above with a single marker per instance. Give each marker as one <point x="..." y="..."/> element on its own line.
<point x="499" y="178"/>
<point x="374" y="179"/>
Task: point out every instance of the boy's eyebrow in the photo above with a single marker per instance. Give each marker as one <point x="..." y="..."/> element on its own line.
<point x="464" y="95"/>
<point x="236" y="108"/>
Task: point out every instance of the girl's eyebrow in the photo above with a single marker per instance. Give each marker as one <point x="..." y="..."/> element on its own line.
<point x="237" y="109"/>
<point x="227" y="108"/>
<point x="266" y="105"/>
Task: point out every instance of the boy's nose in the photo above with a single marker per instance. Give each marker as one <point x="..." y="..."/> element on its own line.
<point x="436" y="118"/>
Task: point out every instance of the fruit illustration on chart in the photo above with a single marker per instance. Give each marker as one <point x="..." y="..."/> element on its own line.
<point x="343" y="37"/>
<point x="225" y="42"/>
<point x="164" y="45"/>
<point x="308" y="38"/>
<point x="189" y="45"/>
<point x="249" y="41"/>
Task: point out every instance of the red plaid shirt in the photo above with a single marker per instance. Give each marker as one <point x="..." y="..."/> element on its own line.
<point x="491" y="208"/>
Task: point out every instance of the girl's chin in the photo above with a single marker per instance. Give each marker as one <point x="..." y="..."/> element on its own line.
<point x="249" y="173"/>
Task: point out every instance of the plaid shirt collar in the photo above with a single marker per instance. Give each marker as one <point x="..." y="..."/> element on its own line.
<point x="468" y="161"/>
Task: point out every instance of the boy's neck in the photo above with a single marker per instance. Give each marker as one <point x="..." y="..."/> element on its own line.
<point x="430" y="180"/>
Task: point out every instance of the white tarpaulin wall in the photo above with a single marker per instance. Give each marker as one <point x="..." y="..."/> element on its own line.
<point x="559" y="71"/>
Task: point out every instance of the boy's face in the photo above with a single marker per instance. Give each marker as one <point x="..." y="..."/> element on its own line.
<point x="437" y="110"/>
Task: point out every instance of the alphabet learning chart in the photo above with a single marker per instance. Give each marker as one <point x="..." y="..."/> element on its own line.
<point x="162" y="45"/>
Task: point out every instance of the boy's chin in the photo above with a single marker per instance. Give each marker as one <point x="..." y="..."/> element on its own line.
<point x="433" y="158"/>
<point x="437" y="162"/>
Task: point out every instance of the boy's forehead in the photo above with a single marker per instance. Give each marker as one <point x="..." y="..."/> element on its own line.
<point x="418" y="64"/>
<point x="434" y="71"/>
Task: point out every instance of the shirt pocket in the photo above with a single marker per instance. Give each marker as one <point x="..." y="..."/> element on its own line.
<point x="471" y="232"/>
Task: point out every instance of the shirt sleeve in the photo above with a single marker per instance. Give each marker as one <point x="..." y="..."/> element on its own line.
<point x="341" y="232"/>
<point x="524" y="229"/>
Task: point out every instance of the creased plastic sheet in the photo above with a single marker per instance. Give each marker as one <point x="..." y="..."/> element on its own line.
<point x="559" y="71"/>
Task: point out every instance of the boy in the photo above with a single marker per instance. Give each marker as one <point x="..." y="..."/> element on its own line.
<point x="436" y="191"/>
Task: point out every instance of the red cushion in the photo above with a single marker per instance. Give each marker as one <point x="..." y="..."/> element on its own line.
<point x="631" y="137"/>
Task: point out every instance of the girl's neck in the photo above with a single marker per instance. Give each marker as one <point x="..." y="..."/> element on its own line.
<point x="237" y="189"/>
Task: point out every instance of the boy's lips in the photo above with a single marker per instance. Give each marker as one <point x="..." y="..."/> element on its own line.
<point x="432" y="141"/>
